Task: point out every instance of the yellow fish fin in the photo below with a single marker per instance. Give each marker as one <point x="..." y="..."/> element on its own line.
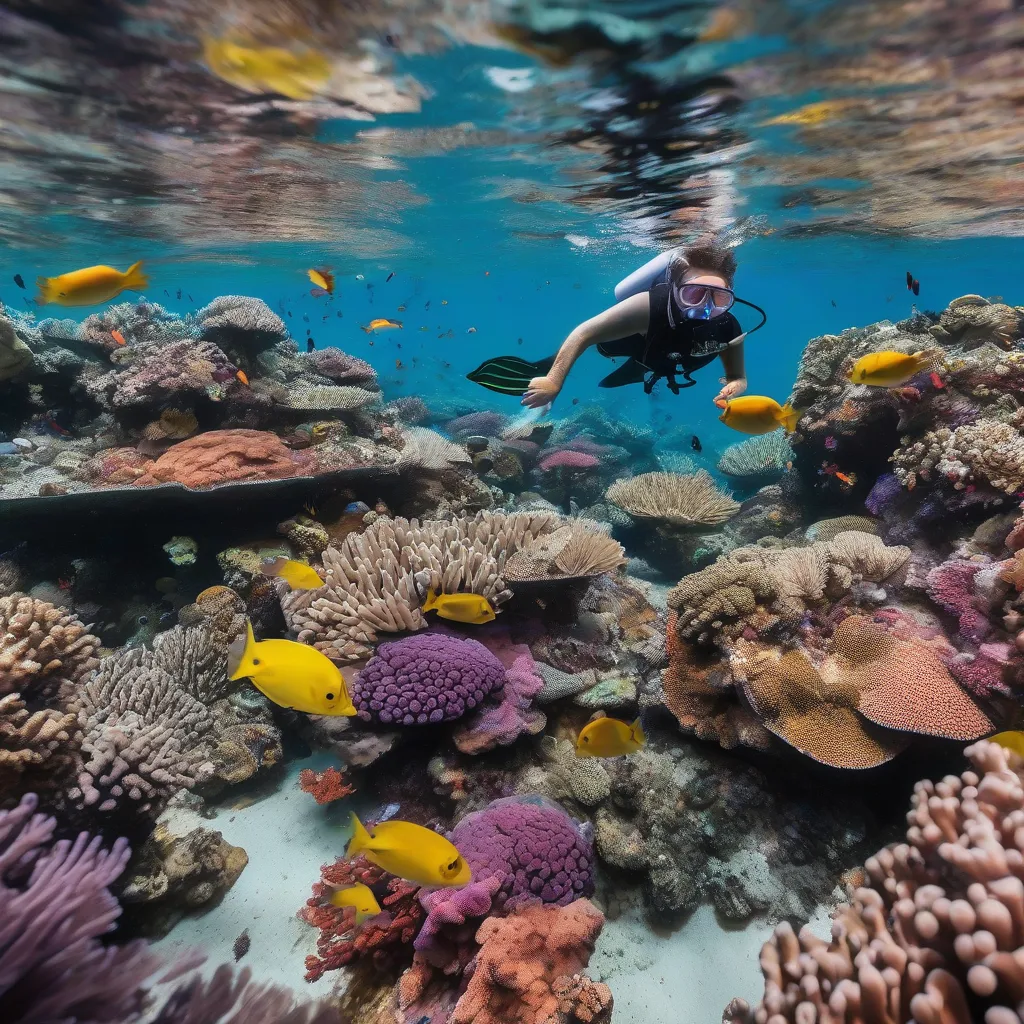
<point x="134" y="279"/>
<point x="789" y="417"/>
<point x="431" y="602"/>
<point x="360" y="840"/>
<point x="240" y="654"/>
<point x="45" y="290"/>
<point x="636" y="731"/>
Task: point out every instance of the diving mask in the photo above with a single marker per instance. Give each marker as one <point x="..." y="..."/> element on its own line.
<point x="702" y="301"/>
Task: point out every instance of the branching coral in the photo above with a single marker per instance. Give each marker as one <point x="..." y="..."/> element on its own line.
<point x="145" y="737"/>
<point x="33" y="744"/>
<point x="673" y="498"/>
<point x="935" y="932"/>
<point x="325" y="787"/>
<point x="758" y="460"/>
<point x="376" y="581"/>
<point x="226" y="456"/>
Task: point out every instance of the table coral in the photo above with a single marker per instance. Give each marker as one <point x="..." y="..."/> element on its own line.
<point x="935" y="931"/>
<point x="528" y="969"/>
<point x="386" y="939"/>
<point x="431" y="677"/>
<point x="325" y="787"/>
<point x="226" y="456"/>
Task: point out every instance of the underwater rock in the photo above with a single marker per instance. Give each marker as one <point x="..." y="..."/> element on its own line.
<point x="614" y="693"/>
<point x="173" y="875"/>
<point x="15" y="355"/>
<point x="182" y="550"/>
<point x="924" y="920"/>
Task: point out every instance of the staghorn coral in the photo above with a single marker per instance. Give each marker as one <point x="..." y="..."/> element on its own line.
<point x="241" y="320"/>
<point x="56" y="904"/>
<point x="144" y="736"/>
<point x="227" y="456"/>
<point x="934" y="932"/>
<point x="758" y="460"/>
<point x="431" y="677"/>
<point x="680" y="500"/>
<point x="325" y="787"/>
<point x="429" y="450"/>
<point x="528" y="969"/>
<point x="44" y="650"/>
<point x="386" y="940"/>
<point x="376" y="581"/>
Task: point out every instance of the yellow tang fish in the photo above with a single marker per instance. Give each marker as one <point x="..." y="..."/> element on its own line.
<point x="410" y="851"/>
<point x="297" y="575"/>
<point x="755" y="414"/>
<point x="297" y="74"/>
<point x="322" y="278"/>
<point x="90" y="286"/>
<point x="291" y="674"/>
<point x="1013" y="740"/>
<point x="472" y="608"/>
<point x="380" y="323"/>
<point x="609" y="737"/>
<point x="888" y="369"/>
<point x="359" y="896"/>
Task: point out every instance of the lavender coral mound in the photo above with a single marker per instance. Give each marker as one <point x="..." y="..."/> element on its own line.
<point x="936" y="934"/>
<point x="241" y="319"/>
<point x="426" y="678"/>
<point x="534" y="848"/>
<point x="54" y="905"/>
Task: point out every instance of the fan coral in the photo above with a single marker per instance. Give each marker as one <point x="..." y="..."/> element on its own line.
<point x="44" y="650"/>
<point x="758" y="460"/>
<point x="377" y="580"/>
<point x="342" y="368"/>
<point x="828" y="529"/>
<point x="432" y="677"/>
<point x="226" y="456"/>
<point x="679" y="500"/>
<point x="386" y="939"/>
<point x="527" y="970"/>
<point x="325" y="787"/>
<point x="429" y="450"/>
<point x="144" y="736"/>
<point x="241" y="320"/>
<point x="934" y="932"/>
<point x="568" y="460"/>
<point x="55" y="905"/>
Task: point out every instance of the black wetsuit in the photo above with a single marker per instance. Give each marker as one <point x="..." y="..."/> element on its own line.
<point x="666" y="349"/>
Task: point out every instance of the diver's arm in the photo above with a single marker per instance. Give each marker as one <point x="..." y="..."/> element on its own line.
<point x="735" y="375"/>
<point x="631" y="316"/>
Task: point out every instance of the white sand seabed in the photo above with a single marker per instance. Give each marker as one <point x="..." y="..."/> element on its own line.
<point x="686" y="977"/>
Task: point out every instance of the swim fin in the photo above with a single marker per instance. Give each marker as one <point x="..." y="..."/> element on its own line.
<point x="509" y="375"/>
<point x="630" y="372"/>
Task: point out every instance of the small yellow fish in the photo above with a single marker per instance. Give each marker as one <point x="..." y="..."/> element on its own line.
<point x="297" y="74"/>
<point x="380" y="323"/>
<point x="291" y="674"/>
<point x="888" y="369"/>
<point x="359" y="896"/>
<point x="410" y="851"/>
<point x="297" y="575"/>
<point x="322" y="278"/>
<point x="90" y="286"/>
<point x="460" y="607"/>
<point x="755" y="414"/>
<point x="609" y="737"/>
<point x="1013" y="740"/>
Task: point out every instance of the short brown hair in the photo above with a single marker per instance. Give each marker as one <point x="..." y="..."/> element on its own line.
<point x="706" y="254"/>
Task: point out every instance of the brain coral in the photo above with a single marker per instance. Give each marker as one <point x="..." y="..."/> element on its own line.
<point x="427" y="678"/>
<point x="224" y="456"/>
<point x="532" y="846"/>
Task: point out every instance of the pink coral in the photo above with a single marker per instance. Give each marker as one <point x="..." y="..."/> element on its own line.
<point x="952" y="586"/>
<point x="499" y="724"/>
<point x="226" y="456"/>
<point x="528" y="969"/>
<point x="570" y="460"/>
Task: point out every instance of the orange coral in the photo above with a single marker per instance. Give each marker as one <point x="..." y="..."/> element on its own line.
<point x="224" y="456"/>
<point x="527" y="970"/>
<point x="1013" y="571"/>
<point x="325" y="787"/>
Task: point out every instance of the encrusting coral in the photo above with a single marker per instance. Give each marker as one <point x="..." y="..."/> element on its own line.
<point x="935" y="931"/>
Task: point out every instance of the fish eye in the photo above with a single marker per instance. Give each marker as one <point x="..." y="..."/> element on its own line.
<point x="330" y="696"/>
<point x="586" y="739"/>
<point x="255" y="661"/>
<point x="143" y="620"/>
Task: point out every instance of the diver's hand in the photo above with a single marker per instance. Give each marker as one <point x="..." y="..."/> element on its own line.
<point x="542" y="391"/>
<point x="732" y="389"/>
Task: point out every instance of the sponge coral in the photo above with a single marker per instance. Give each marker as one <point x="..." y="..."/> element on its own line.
<point x="227" y="456"/>
<point x="432" y="677"/>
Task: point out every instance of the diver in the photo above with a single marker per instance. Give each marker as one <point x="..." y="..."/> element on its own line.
<point x="671" y="318"/>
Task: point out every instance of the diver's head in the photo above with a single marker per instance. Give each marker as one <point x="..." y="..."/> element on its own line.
<point x="701" y="276"/>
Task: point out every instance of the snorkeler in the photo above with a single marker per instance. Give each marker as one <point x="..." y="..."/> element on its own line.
<point x="672" y="318"/>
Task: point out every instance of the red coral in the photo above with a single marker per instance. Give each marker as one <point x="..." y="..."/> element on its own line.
<point x="326" y="786"/>
<point x="568" y="460"/>
<point x="386" y="939"/>
<point x="223" y="456"/>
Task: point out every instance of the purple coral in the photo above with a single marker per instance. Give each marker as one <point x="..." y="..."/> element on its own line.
<point x="54" y="905"/>
<point x="342" y="368"/>
<point x="885" y="490"/>
<point x="485" y="422"/>
<point x="430" y="677"/>
<point x="502" y="723"/>
<point x="951" y="585"/>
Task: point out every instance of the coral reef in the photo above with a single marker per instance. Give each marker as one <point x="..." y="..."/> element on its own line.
<point x="758" y="460"/>
<point x="325" y="787"/>
<point x="934" y="931"/>
<point x="687" y="501"/>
